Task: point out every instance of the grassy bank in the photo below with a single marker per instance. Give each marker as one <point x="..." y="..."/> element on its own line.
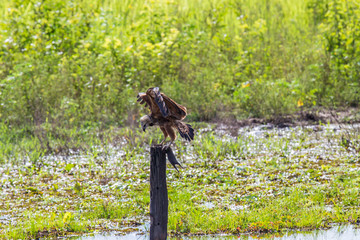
<point x="258" y="181"/>
<point x="73" y="62"/>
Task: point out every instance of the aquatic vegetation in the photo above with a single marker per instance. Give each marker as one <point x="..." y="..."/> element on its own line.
<point x="258" y="180"/>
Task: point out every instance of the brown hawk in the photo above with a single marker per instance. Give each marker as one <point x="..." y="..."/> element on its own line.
<point x="166" y="114"/>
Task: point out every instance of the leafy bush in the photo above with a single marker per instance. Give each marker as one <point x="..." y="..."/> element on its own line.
<point x="342" y="48"/>
<point x="70" y="63"/>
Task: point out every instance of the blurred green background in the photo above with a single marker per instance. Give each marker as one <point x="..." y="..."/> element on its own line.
<point x="77" y="63"/>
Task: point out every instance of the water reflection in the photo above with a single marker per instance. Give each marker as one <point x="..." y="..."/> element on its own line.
<point x="348" y="232"/>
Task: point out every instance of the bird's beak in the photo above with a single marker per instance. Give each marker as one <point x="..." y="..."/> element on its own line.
<point x="143" y="126"/>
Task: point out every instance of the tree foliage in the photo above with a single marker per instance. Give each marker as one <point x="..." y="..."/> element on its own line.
<point x="77" y="62"/>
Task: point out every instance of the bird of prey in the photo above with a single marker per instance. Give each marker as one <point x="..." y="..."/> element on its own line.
<point x="166" y="114"/>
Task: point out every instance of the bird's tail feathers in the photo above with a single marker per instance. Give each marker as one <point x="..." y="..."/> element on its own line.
<point x="186" y="131"/>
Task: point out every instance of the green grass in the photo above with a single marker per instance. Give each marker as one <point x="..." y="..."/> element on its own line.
<point x="264" y="182"/>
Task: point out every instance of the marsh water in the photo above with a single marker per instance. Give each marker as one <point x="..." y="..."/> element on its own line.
<point x="226" y="170"/>
<point x="341" y="232"/>
<point x="346" y="232"/>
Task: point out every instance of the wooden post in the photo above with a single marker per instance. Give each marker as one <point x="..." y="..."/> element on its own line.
<point x="158" y="194"/>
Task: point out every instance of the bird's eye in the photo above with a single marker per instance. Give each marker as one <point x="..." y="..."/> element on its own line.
<point x="151" y="124"/>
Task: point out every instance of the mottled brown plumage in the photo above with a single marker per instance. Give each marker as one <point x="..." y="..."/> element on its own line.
<point x="166" y="114"/>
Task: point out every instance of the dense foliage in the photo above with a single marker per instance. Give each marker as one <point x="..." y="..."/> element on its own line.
<point x="83" y="62"/>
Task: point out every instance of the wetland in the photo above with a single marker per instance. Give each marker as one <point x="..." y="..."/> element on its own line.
<point x="247" y="180"/>
<point x="271" y="88"/>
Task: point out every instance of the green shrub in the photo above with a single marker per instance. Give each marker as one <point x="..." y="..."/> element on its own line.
<point x="70" y="63"/>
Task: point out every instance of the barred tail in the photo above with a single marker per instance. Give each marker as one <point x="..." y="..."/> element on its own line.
<point x="186" y="131"/>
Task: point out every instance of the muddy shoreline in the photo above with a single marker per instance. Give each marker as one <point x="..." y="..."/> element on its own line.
<point x="301" y="118"/>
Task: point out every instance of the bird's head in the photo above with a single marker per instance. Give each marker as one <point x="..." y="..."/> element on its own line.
<point x="146" y="121"/>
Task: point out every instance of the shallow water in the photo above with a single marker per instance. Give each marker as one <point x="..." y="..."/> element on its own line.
<point x="347" y="232"/>
<point x="240" y="166"/>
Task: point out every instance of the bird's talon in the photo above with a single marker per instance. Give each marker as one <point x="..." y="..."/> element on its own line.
<point x="166" y="146"/>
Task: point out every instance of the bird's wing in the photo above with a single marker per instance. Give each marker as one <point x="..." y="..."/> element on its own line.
<point x="177" y="111"/>
<point x="159" y="103"/>
<point x="157" y="97"/>
<point x="146" y="99"/>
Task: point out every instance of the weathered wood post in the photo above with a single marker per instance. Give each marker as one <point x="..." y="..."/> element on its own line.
<point x="158" y="194"/>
